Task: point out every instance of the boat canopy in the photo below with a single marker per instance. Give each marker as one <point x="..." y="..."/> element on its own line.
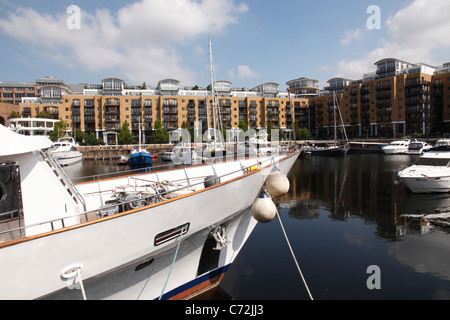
<point x="14" y="143"/>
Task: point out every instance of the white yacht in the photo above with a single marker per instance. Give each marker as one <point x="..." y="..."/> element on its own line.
<point x="154" y="235"/>
<point x="442" y="143"/>
<point x="430" y="174"/>
<point x="65" y="151"/>
<point x="418" y="147"/>
<point x="397" y="147"/>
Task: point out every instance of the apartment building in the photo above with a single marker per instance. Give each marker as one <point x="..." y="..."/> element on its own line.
<point x="104" y="108"/>
<point x="399" y="98"/>
<point x="13" y="92"/>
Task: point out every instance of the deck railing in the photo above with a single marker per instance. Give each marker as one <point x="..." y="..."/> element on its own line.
<point x="99" y="213"/>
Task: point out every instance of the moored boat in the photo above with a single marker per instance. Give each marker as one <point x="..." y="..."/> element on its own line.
<point x="430" y="174"/>
<point x="122" y="161"/>
<point x="140" y="157"/>
<point x="65" y="151"/>
<point x="365" y="147"/>
<point x="418" y="147"/>
<point x="166" y="234"/>
<point x="397" y="147"/>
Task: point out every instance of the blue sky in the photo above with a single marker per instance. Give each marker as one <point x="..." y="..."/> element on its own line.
<point x="254" y="41"/>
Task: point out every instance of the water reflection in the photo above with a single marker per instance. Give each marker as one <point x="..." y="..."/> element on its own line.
<point x="341" y="215"/>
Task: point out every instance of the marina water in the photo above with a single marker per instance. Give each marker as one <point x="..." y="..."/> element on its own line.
<point x="342" y="216"/>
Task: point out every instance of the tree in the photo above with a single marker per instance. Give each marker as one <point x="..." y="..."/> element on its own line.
<point x="59" y="130"/>
<point x="160" y="134"/>
<point x="125" y="136"/>
<point x="13" y="115"/>
<point x="44" y="115"/>
<point x="185" y="125"/>
<point x="301" y="133"/>
<point x="90" y="139"/>
<point x="243" y="125"/>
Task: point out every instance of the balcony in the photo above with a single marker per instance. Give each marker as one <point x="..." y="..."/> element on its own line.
<point x="112" y="102"/>
<point x="170" y="110"/>
<point x="112" y="110"/>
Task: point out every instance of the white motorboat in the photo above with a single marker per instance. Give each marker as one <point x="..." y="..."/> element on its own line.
<point x="65" y="151"/>
<point x="397" y="147"/>
<point x="168" y="156"/>
<point x="442" y="144"/>
<point x="180" y="155"/>
<point x="157" y="234"/>
<point x="418" y="147"/>
<point x="430" y="174"/>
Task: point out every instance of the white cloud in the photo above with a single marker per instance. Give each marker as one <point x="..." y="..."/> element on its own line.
<point x="350" y="36"/>
<point x="243" y="72"/>
<point x="139" y="40"/>
<point x="416" y="33"/>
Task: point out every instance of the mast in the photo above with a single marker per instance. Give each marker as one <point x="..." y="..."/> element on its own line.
<point x="334" y="115"/>
<point x="342" y="121"/>
<point x="140" y="149"/>
<point x="293" y="115"/>
<point x="212" y="91"/>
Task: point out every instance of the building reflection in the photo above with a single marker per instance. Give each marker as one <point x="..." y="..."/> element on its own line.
<point x="359" y="186"/>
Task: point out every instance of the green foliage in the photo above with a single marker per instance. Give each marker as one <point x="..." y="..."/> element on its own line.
<point x="301" y="133"/>
<point x="13" y="115"/>
<point x="160" y="134"/>
<point x="90" y="139"/>
<point x="243" y="125"/>
<point x="125" y="136"/>
<point x="44" y="115"/>
<point x="59" y="130"/>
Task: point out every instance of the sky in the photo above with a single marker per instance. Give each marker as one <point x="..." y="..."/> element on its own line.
<point x="253" y="41"/>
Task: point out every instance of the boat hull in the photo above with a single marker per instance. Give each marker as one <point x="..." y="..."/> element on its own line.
<point x="137" y="281"/>
<point x="424" y="185"/>
<point x="328" y="152"/>
<point x="140" y="159"/>
<point x="394" y="151"/>
<point x="421" y="179"/>
<point x="111" y="252"/>
<point x="67" y="158"/>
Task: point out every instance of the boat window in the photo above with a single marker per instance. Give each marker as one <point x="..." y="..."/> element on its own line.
<point x="432" y="162"/>
<point x="10" y="191"/>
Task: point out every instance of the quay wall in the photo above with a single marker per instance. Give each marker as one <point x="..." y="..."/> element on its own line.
<point x="114" y="152"/>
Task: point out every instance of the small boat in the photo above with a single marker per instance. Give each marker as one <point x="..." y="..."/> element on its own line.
<point x="331" y="151"/>
<point x="397" y="147"/>
<point x="430" y="174"/>
<point x="140" y="157"/>
<point x="65" y="151"/>
<point x="442" y="144"/>
<point x="168" y="156"/>
<point x="418" y="147"/>
<point x="123" y="161"/>
<point x="181" y="154"/>
<point x="365" y="147"/>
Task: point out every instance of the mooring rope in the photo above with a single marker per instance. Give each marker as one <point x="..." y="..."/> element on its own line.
<point x="295" y="259"/>
<point x="173" y="263"/>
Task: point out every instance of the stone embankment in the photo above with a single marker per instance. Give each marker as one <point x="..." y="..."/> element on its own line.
<point x="114" y="152"/>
